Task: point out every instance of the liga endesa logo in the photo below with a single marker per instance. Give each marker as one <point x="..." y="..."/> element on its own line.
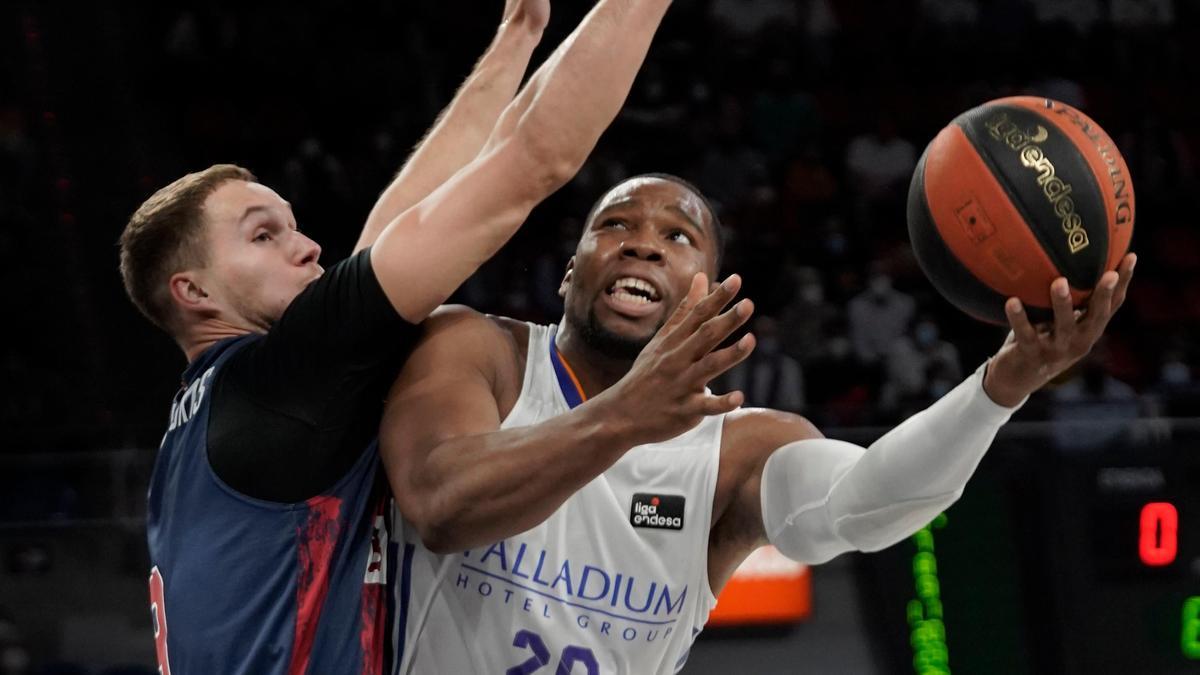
<point x="659" y="512"/>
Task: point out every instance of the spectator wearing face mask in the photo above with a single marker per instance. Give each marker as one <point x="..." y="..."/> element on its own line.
<point x="1092" y="407"/>
<point x="879" y="165"/>
<point x="803" y="321"/>
<point x="918" y="366"/>
<point x="769" y="378"/>
<point x="878" y="317"/>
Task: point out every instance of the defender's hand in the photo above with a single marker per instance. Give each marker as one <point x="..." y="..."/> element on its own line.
<point x="663" y="394"/>
<point x="1032" y="356"/>
<point x="530" y="14"/>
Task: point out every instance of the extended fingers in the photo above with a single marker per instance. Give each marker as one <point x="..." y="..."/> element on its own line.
<point x="715" y="330"/>
<point x="704" y="307"/>
<point x="1109" y="295"/>
<point x="711" y="304"/>
<point x="1100" y="305"/>
<point x="694" y="295"/>
<point x="719" y="405"/>
<point x="720" y="361"/>
<point x="1064" y="313"/>
<point x="1125" y="274"/>
<point x="1023" y="331"/>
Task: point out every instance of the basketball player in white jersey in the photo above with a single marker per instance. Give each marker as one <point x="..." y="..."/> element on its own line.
<point x="575" y="498"/>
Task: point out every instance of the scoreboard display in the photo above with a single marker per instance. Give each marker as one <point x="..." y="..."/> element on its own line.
<point x="1128" y="572"/>
<point x="1058" y="559"/>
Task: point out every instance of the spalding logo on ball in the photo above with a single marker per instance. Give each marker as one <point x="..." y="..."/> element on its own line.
<point x="1014" y="194"/>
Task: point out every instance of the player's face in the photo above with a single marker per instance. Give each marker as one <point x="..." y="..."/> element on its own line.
<point x="258" y="261"/>
<point x="635" y="263"/>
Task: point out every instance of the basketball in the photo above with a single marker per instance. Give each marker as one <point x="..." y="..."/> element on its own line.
<point x="1012" y="195"/>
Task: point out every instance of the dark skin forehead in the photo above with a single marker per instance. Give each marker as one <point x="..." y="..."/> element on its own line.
<point x="659" y="194"/>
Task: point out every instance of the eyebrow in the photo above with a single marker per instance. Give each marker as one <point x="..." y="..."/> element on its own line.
<point x="251" y="211"/>
<point x="690" y="221"/>
<point x="258" y="208"/>
<point x="620" y="203"/>
<point x="630" y="201"/>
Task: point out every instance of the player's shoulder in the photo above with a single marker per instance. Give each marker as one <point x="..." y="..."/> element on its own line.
<point x="473" y="335"/>
<point x="460" y="344"/>
<point x="454" y="318"/>
<point x="753" y="433"/>
<point x="460" y="322"/>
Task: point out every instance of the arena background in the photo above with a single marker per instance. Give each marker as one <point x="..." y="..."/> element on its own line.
<point x="801" y="119"/>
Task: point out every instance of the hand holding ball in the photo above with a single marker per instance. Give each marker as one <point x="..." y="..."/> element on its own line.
<point x="1012" y="195"/>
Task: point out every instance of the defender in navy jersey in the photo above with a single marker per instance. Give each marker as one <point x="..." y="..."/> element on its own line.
<point x="575" y="498"/>
<point x="266" y="511"/>
<point x="278" y="568"/>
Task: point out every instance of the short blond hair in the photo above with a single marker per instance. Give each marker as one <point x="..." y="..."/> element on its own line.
<point x="165" y="236"/>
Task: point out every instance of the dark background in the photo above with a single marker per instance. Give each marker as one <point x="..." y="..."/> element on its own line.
<point x="800" y="119"/>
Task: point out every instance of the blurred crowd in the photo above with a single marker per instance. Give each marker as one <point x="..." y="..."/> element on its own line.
<point x="802" y="120"/>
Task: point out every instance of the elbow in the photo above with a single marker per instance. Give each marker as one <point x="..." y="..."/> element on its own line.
<point x="435" y="526"/>
<point x="558" y="171"/>
<point x="438" y="537"/>
<point x="548" y="161"/>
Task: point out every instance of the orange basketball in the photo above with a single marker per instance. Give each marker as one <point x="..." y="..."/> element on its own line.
<point x="1013" y="194"/>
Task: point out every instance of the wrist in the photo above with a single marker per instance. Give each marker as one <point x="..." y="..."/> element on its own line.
<point x="609" y="426"/>
<point x="1003" y="389"/>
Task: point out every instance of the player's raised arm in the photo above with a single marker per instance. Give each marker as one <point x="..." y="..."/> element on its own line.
<point x="466" y="123"/>
<point x="816" y="498"/>
<point x="539" y="143"/>
<point x="462" y="481"/>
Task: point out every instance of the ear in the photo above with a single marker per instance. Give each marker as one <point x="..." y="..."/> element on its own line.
<point x="189" y="294"/>
<point x="562" y="287"/>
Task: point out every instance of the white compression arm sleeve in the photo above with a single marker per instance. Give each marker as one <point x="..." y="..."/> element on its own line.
<point x="822" y="497"/>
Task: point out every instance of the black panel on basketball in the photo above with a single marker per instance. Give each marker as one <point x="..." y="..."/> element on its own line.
<point x="948" y="275"/>
<point x="1058" y="184"/>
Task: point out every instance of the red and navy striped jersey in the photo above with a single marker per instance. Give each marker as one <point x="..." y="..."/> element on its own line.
<point x="241" y="585"/>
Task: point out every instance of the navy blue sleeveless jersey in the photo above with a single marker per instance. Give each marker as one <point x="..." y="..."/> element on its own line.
<point x="245" y="585"/>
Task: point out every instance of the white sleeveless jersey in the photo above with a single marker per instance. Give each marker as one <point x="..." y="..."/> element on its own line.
<point x="615" y="581"/>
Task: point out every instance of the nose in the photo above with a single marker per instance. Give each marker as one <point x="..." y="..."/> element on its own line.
<point x="642" y="247"/>
<point x="308" y="251"/>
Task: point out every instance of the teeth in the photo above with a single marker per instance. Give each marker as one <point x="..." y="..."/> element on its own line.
<point x="631" y="298"/>
<point x="637" y="284"/>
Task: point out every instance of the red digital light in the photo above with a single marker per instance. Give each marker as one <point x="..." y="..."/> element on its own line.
<point x="1158" y="543"/>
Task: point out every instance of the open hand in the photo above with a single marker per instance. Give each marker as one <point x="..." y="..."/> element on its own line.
<point x="1032" y="356"/>
<point x="663" y="394"/>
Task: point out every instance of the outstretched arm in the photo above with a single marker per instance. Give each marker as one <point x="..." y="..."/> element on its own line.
<point x="820" y="498"/>
<point x="462" y="128"/>
<point x="539" y="143"/>
<point x="814" y="499"/>
<point x="462" y="481"/>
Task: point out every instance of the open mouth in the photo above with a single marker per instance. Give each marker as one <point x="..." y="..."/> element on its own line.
<point x="633" y="297"/>
<point x="634" y="291"/>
